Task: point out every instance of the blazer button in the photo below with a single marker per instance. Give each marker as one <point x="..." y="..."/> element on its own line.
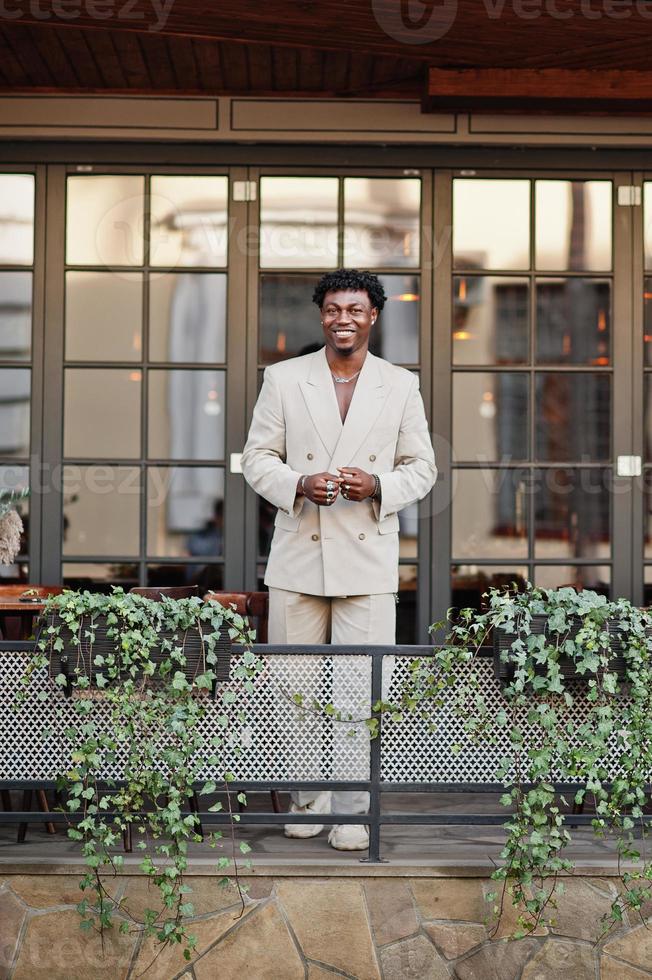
<point x="372" y="458"/>
<point x="309" y="456"/>
<point x="315" y="537"/>
<point x="361" y="537"/>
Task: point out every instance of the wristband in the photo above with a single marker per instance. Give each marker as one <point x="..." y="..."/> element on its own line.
<point x="376" y="494"/>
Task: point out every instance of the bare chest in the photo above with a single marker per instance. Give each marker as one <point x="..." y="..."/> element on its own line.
<point x="344" y="394"/>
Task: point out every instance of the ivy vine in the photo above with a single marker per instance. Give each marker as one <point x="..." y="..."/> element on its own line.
<point x="154" y="737"/>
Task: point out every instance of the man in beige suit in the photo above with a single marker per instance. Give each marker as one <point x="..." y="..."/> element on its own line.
<point x="339" y="443"/>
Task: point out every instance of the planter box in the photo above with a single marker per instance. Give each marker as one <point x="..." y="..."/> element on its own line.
<point x="80" y="653"/>
<point x="504" y="671"/>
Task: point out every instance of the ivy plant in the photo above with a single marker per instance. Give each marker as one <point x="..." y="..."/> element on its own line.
<point x="606" y="754"/>
<point x="153" y="738"/>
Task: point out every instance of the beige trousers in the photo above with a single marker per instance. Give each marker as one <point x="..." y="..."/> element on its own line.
<point x="295" y="618"/>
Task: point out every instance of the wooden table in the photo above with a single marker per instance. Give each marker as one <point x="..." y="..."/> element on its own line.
<point x="17" y="618"/>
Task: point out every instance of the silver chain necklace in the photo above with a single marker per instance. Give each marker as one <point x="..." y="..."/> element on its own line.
<point x="343" y="381"/>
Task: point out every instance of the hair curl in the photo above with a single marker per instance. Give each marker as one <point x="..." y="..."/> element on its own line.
<point x="350" y="279"/>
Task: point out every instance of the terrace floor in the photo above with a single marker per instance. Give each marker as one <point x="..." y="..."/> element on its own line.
<point x="456" y="846"/>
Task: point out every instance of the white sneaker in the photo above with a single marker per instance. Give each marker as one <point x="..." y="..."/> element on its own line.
<point x="349" y="837"/>
<point x="320" y="804"/>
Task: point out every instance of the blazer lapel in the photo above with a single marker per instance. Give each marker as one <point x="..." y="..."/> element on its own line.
<point x="319" y="396"/>
<point x="368" y="399"/>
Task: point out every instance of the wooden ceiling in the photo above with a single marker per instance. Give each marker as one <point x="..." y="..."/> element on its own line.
<point x="306" y="47"/>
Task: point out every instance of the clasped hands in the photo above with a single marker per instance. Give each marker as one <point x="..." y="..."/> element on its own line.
<point x="352" y="482"/>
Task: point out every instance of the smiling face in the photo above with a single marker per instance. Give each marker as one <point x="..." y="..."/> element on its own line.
<point x="347" y="317"/>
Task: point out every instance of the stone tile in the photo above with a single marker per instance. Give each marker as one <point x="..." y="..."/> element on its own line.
<point x="451" y="898"/>
<point x="503" y="960"/>
<point x="558" y="958"/>
<point x="611" y="969"/>
<point x="261" y="948"/>
<point x="170" y="960"/>
<point x="504" y="924"/>
<point x="12" y="916"/>
<point x="44" y="891"/>
<point x="329" y="919"/>
<point x="455" y="940"/>
<point x="259" y="888"/>
<point x="319" y="973"/>
<point x="413" y="959"/>
<point x="580" y="909"/>
<point x="54" y="947"/>
<point x="634" y="947"/>
<point x="391" y="909"/>
<point x="207" y="896"/>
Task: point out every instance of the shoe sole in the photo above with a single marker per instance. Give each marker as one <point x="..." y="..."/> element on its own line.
<point x="299" y="836"/>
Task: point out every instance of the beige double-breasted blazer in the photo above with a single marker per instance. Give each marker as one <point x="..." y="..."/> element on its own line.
<point x="347" y="548"/>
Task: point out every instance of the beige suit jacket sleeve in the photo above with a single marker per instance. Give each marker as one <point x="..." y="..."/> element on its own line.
<point x="414" y="472"/>
<point x="263" y="459"/>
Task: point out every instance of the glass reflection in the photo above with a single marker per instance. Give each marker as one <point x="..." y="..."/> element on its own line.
<point x="647" y="321"/>
<point x="187" y="317"/>
<point x="298" y="222"/>
<point x="574" y="321"/>
<point x="381" y="222"/>
<point x="103" y="316"/>
<point x="186" y="415"/>
<point x="490" y="415"/>
<point x="490" y="513"/>
<point x="572" y="513"/>
<point x="491" y="224"/>
<point x="99" y="577"/>
<point x="647" y="222"/>
<point x="469" y="583"/>
<point x="207" y="577"/>
<point x="289" y="320"/>
<point x="647" y="593"/>
<point x="185" y="511"/>
<point x="15" y="316"/>
<point x="573" y="417"/>
<point x="101" y="413"/>
<point x="406" y="608"/>
<point x="16" y="219"/>
<point x="647" y="503"/>
<point x="647" y="417"/>
<point x="490" y="320"/>
<point x="101" y="510"/>
<point x="573" y="224"/>
<point x="104" y="220"/>
<point x="16" y="478"/>
<point x="595" y="577"/>
<point x="189" y="220"/>
<point x="15" y="390"/>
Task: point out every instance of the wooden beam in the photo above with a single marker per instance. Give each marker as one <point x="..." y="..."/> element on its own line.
<point x="586" y="91"/>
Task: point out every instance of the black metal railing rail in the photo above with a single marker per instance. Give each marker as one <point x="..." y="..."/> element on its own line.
<point x="376" y="784"/>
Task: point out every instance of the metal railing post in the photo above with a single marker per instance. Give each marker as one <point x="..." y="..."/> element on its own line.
<point x="375" y="762"/>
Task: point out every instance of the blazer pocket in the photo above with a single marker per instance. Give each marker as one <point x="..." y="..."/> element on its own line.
<point x="286" y="521"/>
<point x="389" y="525"/>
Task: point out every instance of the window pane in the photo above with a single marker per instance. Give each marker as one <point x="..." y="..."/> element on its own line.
<point x="572" y="513"/>
<point x="185" y="511"/>
<point x="102" y="413"/>
<point x="647" y="416"/>
<point x="395" y="335"/>
<point x="98" y="577"/>
<point x="490" y="415"/>
<point x="289" y="320"/>
<point x="647" y="222"/>
<point x="595" y="577"/>
<point x="104" y="220"/>
<point x="490" y="320"/>
<point x="470" y="582"/>
<point x="15" y="384"/>
<point x="15" y="316"/>
<point x="490" y="513"/>
<point x="574" y="321"/>
<point x="103" y="316"/>
<point x="406" y="609"/>
<point x="16" y="219"/>
<point x="186" y="415"/>
<point x="101" y="510"/>
<point x="381" y="222"/>
<point x="189" y="220"/>
<point x="573" y="224"/>
<point x="491" y="224"/>
<point x="573" y="417"/>
<point x="207" y="577"/>
<point x="298" y="222"/>
<point x="647" y="321"/>
<point x="187" y="317"/>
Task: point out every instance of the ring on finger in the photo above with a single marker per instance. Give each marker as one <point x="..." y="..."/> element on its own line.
<point x="330" y="485"/>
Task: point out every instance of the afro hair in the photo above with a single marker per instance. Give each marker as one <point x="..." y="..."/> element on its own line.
<point x="350" y="279"/>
